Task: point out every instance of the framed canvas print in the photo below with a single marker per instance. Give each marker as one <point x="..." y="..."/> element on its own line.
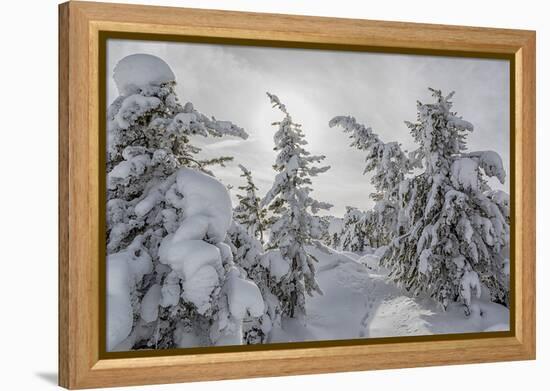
<point x="248" y="195"/>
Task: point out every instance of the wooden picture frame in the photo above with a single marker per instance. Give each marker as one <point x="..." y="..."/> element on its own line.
<point x="81" y="25"/>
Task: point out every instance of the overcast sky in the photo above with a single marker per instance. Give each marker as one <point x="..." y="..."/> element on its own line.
<point x="380" y="90"/>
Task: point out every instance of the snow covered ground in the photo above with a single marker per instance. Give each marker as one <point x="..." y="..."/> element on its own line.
<point x="359" y="301"/>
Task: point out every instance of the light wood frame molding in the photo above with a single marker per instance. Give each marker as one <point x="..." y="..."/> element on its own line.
<point x="80" y="24"/>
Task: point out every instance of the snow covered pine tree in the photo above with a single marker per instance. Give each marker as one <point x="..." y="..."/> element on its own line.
<point x="245" y="237"/>
<point x="353" y="235"/>
<point x="452" y="231"/>
<point x="295" y="225"/>
<point x="389" y="165"/>
<point x="248" y="254"/>
<point x="170" y="278"/>
<point x="249" y="211"/>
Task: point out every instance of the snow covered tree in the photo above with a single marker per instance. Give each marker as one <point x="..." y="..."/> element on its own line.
<point x="170" y="278"/>
<point x="381" y="223"/>
<point x="295" y="225"/>
<point x="452" y="230"/>
<point x="248" y="254"/>
<point x="249" y="211"/>
<point x="389" y="165"/>
<point x="458" y="228"/>
<point x="360" y="230"/>
<point x="352" y="237"/>
<point x="334" y="232"/>
<point x="324" y="224"/>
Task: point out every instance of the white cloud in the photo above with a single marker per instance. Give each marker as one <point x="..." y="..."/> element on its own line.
<point x="226" y="144"/>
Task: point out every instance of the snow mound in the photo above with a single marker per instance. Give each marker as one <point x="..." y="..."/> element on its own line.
<point x="140" y="70"/>
<point x="328" y="259"/>
<point x="198" y="290"/>
<point x="206" y="205"/>
<point x="198" y="264"/>
<point x="187" y="257"/>
<point x="119" y="307"/>
<point x="243" y="296"/>
<point x="125" y="269"/>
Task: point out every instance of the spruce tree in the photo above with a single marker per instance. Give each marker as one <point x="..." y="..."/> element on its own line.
<point x="151" y="164"/>
<point x="450" y="229"/>
<point x="249" y="211"/>
<point x="295" y="225"/>
<point x="388" y="164"/>
<point x="458" y="228"/>
<point x="353" y="234"/>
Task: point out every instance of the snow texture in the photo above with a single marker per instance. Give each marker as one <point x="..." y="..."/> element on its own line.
<point x="187" y="257"/>
<point x="139" y="70"/>
<point x="206" y="204"/>
<point x="243" y="296"/>
<point x="198" y="289"/>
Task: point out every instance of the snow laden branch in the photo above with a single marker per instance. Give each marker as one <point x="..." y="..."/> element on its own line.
<point x="277" y="103"/>
<point x="294" y="225"/>
<point x="387" y="161"/>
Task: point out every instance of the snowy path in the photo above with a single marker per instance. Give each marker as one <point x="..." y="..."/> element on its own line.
<point x="360" y="302"/>
<point x="338" y="313"/>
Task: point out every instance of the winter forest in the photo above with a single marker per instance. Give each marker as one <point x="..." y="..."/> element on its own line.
<point x="309" y="211"/>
